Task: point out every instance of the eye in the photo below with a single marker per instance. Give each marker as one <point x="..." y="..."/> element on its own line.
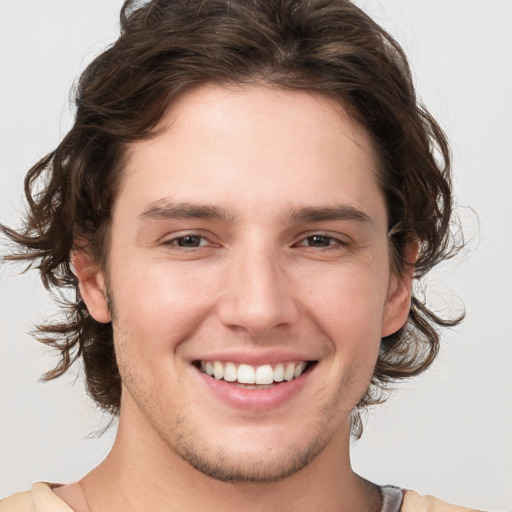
<point x="320" y="241"/>
<point x="188" y="241"/>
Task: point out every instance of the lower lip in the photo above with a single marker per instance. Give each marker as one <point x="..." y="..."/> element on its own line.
<point x="255" y="399"/>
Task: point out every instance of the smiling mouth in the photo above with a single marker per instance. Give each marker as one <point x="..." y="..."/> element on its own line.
<point x="256" y="377"/>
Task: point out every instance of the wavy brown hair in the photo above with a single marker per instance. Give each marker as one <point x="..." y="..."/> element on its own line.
<point x="166" y="46"/>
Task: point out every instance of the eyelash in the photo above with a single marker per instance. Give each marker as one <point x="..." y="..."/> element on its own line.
<point x="176" y="241"/>
<point x="330" y="242"/>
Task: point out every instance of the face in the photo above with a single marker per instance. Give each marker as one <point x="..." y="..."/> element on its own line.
<point x="250" y="280"/>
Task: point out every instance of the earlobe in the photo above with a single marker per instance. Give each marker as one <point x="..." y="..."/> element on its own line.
<point x="92" y="286"/>
<point x="398" y="303"/>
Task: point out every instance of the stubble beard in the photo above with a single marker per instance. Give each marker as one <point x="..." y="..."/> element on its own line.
<point x="239" y="468"/>
<point x="186" y="442"/>
<point x="190" y="443"/>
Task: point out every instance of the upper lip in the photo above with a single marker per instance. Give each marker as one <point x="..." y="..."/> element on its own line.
<point x="255" y="358"/>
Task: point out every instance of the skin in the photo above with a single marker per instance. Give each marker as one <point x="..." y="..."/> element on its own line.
<point x="261" y="276"/>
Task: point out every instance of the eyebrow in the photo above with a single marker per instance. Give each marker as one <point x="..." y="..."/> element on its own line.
<point x="163" y="209"/>
<point x="322" y="213"/>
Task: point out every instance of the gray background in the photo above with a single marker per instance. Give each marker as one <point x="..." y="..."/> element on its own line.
<point x="447" y="433"/>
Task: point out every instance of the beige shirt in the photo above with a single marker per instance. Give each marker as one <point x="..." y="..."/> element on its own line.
<point x="41" y="498"/>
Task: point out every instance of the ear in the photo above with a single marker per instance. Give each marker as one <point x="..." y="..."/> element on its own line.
<point x="91" y="285"/>
<point x="398" y="302"/>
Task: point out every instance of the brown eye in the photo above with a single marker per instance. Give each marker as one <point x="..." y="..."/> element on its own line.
<point x="188" y="241"/>
<point x="318" y="241"/>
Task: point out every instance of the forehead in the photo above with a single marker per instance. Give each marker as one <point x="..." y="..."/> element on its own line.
<point x="219" y="144"/>
<point x="218" y="109"/>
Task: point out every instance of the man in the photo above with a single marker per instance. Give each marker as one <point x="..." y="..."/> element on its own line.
<point x="243" y="202"/>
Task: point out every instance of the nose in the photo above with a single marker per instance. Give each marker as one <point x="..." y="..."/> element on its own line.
<point x="257" y="294"/>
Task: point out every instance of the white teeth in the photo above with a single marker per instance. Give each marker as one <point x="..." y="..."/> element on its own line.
<point x="299" y="369"/>
<point x="230" y="373"/>
<point x="279" y="373"/>
<point x="247" y="374"/>
<point x="218" y="370"/>
<point x="264" y="375"/>
<point x="289" y="373"/>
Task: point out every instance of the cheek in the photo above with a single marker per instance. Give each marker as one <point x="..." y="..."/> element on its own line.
<point x="159" y="306"/>
<point x="349" y="301"/>
<point x="348" y="309"/>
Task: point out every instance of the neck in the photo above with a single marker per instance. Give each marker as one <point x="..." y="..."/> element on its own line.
<point x="143" y="473"/>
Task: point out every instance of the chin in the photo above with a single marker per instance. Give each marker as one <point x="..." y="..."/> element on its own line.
<point x="238" y="469"/>
<point x="257" y="462"/>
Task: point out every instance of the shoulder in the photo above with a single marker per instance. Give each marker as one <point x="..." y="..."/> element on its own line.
<point x="20" y="502"/>
<point x="39" y="499"/>
<point x="413" y="502"/>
